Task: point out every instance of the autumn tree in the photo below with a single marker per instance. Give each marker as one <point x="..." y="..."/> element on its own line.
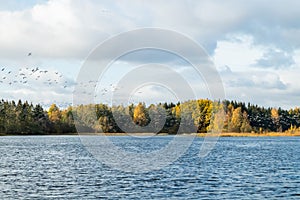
<point x="201" y="114"/>
<point x="140" y="115"/>
<point x="67" y="121"/>
<point x="245" y="126"/>
<point x="236" y="120"/>
<point x="217" y="120"/>
<point x="275" y="119"/>
<point x="160" y="119"/>
<point x="54" y="113"/>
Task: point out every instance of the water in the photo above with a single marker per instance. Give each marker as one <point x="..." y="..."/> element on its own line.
<point x="59" y="167"/>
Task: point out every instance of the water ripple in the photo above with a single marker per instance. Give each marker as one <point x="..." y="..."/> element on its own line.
<point x="237" y="168"/>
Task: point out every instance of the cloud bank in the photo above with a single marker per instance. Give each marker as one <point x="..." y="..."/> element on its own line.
<point x="254" y="45"/>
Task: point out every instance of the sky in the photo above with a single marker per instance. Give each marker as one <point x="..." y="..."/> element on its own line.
<point x="254" y="45"/>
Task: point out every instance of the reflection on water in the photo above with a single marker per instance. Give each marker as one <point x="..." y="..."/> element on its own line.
<point x="237" y="168"/>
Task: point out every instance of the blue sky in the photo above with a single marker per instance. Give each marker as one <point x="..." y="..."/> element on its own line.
<point x="255" y="46"/>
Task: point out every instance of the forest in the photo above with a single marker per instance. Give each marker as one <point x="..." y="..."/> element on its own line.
<point x="27" y="119"/>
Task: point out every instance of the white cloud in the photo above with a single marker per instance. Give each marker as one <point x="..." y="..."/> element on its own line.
<point x="238" y="52"/>
<point x="258" y="73"/>
<point x="58" y="28"/>
<point x="275" y="58"/>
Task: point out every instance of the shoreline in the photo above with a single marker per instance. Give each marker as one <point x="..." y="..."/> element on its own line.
<point x="270" y="134"/>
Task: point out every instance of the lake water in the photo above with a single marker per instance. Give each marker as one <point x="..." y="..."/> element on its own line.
<point x="60" y="167"/>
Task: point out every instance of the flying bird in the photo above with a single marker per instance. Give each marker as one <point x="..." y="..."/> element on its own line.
<point x="29" y="54"/>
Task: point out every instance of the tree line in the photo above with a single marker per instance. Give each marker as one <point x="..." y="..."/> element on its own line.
<point x="199" y="116"/>
<point x="26" y="119"/>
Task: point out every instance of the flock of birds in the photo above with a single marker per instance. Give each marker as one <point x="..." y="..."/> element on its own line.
<point x="38" y="77"/>
<point x="26" y="75"/>
<point x="33" y="75"/>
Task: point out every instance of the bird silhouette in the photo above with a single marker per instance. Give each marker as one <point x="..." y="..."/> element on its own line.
<point x="29" y="54"/>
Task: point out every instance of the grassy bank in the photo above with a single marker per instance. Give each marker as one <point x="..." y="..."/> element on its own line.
<point x="270" y="134"/>
<point x="49" y="134"/>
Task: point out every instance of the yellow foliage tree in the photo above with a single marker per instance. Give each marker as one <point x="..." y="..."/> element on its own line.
<point x="236" y="120"/>
<point x="140" y="115"/>
<point x="54" y="113"/>
<point x="275" y="119"/>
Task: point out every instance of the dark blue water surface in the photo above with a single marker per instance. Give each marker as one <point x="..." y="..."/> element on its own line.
<point x="60" y="167"/>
